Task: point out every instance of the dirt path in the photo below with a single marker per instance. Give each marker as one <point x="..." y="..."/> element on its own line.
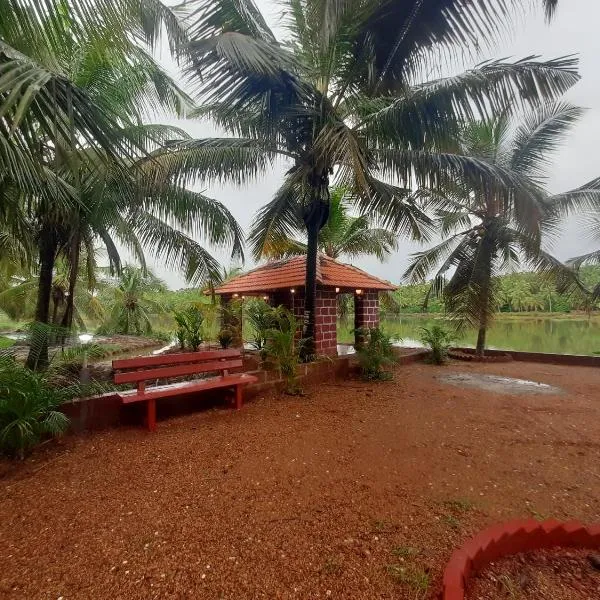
<point x="358" y="491"/>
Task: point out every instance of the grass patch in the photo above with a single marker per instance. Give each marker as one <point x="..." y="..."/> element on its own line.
<point x="459" y="505"/>
<point x="331" y="567"/>
<point x="538" y="516"/>
<point x="451" y="521"/>
<point x="6" y="342"/>
<point x="405" y="551"/>
<point x="383" y="527"/>
<point x="413" y="577"/>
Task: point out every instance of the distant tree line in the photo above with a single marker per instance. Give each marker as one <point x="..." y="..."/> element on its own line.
<point x="518" y="292"/>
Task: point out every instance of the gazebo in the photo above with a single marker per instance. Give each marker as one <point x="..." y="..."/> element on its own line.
<point x="282" y="282"/>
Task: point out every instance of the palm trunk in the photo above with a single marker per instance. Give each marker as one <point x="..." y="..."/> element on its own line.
<point x="315" y="218"/>
<point x="38" y="352"/>
<point x="480" y="350"/>
<point x="310" y="293"/>
<point x="67" y="320"/>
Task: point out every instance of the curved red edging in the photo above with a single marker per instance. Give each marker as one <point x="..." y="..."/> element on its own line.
<point x="511" y="538"/>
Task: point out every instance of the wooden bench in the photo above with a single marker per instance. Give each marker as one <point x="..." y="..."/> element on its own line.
<point x="150" y="368"/>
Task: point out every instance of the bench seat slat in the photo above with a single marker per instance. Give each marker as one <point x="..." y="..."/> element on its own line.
<point x="174" y="359"/>
<point x="188" y="387"/>
<point x="177" y="371"/>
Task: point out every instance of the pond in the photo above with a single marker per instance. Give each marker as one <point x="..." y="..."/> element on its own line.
<point x="574" y="335"/>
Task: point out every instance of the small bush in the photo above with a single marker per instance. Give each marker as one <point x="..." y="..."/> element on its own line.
<point x="376" y="353"/>
<point x="28" y="407"/>
<point x="189" y="327"/>
<point x="438" y="340"/>
<point x="225" y="337"/>
<point x="262" y="318"/>
<point x="6" y="342"/>
<point x="282" y="349"/>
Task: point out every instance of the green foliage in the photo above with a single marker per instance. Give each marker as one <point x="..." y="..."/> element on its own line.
<point x="262" y="318"/>
<point x="190" y="327"/>
<point x="342" y="235"/>
<point x="438" y="339"/>
<point x="226" y="337"/>
<point x="132" y="304"/>
<point x="6" y="342"/>
<point x="525" y="291"/>
<point x="28" y="407"/>
<point x="375" y="354"/>
<point x="281" y="347"/>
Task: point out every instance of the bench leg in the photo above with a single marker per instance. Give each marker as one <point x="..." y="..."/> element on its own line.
<point x="151" y="418"/>
<point x="238" y="397"/>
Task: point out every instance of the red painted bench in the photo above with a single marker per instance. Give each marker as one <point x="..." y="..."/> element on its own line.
<point x="150" y="368"/>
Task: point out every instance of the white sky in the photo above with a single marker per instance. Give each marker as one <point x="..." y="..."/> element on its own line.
<point x="573" y="31"/>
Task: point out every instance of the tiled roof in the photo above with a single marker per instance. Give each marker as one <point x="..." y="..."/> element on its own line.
<point x="290" y="273"/>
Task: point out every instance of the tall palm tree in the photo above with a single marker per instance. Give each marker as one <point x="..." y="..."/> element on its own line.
<point x="343" y="234"/>
<point x="132" y="305"/>
<point x="487" y="231"/>
<point x="585" y="203"/>
<point x="341" y="99"/>
<point x="90" y="182"/>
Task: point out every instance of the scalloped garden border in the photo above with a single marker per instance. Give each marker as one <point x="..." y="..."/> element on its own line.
<point x="511" y="538"/>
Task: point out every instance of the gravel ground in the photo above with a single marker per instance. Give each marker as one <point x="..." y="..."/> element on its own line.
<point x="356" y="491"/>
<point x="557" y="574"/>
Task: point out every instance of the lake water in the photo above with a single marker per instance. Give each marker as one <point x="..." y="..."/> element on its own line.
<point x="528" y="334"/>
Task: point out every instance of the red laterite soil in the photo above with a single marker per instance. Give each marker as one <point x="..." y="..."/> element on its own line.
<point x="355" y="491"/>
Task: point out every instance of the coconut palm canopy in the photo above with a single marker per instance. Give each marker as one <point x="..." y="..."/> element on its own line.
<point x="342" y="99"/>
<point x="77" y="85"/>
<point x="343" y="234"/>
<point x="486" y="232"/>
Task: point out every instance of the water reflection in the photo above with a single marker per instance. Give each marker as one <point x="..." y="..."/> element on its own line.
<point x="566" y="336"/>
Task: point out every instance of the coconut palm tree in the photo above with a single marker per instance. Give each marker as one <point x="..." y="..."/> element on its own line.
<point x="342" y="235"/>
<point x="341" y="99"/>
<point x="132" y="305"/>
<point x="487" y="231"/>
<point x="73" y="97"/>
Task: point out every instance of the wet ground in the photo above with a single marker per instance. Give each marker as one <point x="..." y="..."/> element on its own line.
<point x="499" y="384"/>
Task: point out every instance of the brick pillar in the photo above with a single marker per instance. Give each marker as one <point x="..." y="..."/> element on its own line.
<point x="231" y="317"/>
<point x="366" y="314"/>
<point x="326" y="322"/>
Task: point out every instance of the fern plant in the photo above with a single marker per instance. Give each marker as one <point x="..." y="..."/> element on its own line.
<point x="375" y="354"/>
<point x="438" y="339"/>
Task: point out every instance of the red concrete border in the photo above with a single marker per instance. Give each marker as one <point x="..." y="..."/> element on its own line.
<point x="574" y="360"/>
<point x="511" y="538"/>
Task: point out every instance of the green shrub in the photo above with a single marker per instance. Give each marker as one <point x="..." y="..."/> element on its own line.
<point x="189" y="327"/>
<point x="6" y="342"/>
<point x="225" y="337"/>
<point x="28" y="407"/>
<point x="282" y="348"/>
<point x="262" y="319"/>
<point x="439" y="340"/>
<point x="374" y="354"/>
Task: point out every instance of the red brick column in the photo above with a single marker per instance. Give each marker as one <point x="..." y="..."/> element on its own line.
<point x="326" y="322"/>
<point x="366" y="314"/>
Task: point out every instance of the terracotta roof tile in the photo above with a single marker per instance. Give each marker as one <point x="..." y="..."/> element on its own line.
<point x="290" y="273"/>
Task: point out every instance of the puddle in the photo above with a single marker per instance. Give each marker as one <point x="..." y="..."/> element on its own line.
<point x="501" y="385"/>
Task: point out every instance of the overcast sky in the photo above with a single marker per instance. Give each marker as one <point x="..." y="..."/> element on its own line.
<point x="573" y="31"/>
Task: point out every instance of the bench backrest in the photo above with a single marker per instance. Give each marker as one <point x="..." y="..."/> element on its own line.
<point x="145" y="368"/>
